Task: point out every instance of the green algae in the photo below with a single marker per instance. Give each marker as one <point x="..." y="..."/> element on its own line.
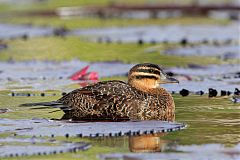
<point x="68" y="48"/>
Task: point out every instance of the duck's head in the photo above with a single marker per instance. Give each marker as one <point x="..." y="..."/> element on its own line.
<point x="148" y="76"/>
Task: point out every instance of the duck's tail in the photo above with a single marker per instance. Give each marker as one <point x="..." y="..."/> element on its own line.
<point x="46" y="105"/>
<point x="53" y="103"/>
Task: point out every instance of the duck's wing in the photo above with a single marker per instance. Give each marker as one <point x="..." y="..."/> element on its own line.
<point x="104" y="99"/>
<point x="87" y="96"/>
<point x="99" y="91"/>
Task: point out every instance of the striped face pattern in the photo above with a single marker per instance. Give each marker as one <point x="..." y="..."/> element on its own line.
<point x="149" y="76"/>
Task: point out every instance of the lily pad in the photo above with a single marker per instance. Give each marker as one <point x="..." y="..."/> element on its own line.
<point x="14" y="147"/>
<point x="44" y="127"/>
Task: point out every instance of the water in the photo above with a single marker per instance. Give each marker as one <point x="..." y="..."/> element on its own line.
<point x="211" y="151"/>
<point x="193" y="33"/>
<point x="8" y="31"/>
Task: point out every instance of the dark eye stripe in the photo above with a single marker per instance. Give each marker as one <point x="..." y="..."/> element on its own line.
<point x="147" y="77"/>
<point x="148" y="71"/>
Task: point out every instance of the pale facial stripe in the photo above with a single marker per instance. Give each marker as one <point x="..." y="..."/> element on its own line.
<point x="142" y="75"/>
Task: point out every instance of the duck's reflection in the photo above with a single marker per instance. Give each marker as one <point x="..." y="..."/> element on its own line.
<point x="147" y="143"/>
<point x="138" y="143"/>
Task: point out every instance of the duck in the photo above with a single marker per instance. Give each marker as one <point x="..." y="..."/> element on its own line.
<point x="141" y="98"/>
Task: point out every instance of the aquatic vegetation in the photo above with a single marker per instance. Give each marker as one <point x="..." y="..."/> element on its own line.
<point x="12" y="10"/>
<point x="68" y="48"/>
<point x="185" y="35"/>
<point x="39" y="127"/>
<point x="212" y="123"/>
<point x="208" y="120"/>
<point x="91" y="22"/>
<point x="53" y="4"/>
<point x="14" y="147"/>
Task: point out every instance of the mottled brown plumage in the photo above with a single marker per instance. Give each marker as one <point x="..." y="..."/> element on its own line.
<point x="139" y="99"/>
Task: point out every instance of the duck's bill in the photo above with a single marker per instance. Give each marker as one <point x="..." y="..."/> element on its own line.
<point x="166" y="79"/>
